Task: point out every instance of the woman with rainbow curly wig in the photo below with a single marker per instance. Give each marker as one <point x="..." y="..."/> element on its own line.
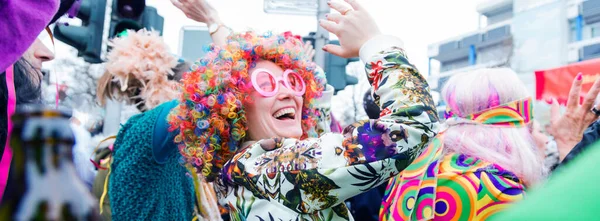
<point x="249" y="119"/>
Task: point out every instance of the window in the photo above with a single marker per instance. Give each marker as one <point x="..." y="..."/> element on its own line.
<point x="595" y="29"/>
<point x="572" y="31"/>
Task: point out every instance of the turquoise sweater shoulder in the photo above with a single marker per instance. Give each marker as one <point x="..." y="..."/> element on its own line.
<point x="147" y="181"/>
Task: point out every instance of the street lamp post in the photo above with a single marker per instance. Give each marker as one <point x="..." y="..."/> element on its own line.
<point x="322" y="36"/>
<point x="304" y="7"/>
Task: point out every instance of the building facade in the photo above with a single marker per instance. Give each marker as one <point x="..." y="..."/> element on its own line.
<point x="525" y="35"/>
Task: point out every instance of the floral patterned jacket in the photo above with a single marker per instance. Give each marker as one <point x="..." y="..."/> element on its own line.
<point x="289" y="179"/>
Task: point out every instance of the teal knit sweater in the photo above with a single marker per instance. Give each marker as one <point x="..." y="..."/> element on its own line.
<point x="147" y="181"/>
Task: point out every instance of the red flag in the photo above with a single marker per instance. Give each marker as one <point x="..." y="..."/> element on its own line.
<point x="556" y="83"/>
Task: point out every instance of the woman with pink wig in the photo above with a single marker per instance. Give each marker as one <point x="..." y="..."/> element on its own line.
<point x="485" y="157"/>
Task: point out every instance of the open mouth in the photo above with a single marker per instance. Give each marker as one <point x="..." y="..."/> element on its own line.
<point x="285" y="114"/>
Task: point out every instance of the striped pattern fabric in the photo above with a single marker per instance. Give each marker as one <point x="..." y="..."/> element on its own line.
<point x="513" y="114"/>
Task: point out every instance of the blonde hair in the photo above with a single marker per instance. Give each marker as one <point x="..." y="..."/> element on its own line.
<point x="108" y="88"/>
<point x="511" y="148"/>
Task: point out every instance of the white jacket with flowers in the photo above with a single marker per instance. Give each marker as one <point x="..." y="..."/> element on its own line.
<point x="289" y="179"/>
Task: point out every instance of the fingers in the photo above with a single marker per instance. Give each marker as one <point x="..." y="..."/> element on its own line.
<point x="177" y="4"/>
<point x="341" y="8"/>
<point x="573" y="100"/>
<point x="308" y="45"/>
<point x="355" y="5"/>
<point x="596" y="117"/>
<point x="335" y="50"/>
<point x="590" y="97"/>
<point x="312" y="53"/>
<point x="308" y="49"/>
<point x="554" y="110"/>
<point x="330" y="26"/>
<point x="334" y="17"/>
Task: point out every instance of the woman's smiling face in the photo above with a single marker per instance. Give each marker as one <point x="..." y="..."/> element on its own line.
<point x="275" y="116"/>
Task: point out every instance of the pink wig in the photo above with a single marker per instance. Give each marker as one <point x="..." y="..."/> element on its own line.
<point x="510" y="147"/>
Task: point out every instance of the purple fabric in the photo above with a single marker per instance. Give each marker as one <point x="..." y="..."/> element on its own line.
<point x="74" y="9"/>
<point x="22" y="21"/>
<point x="335" y="125"/>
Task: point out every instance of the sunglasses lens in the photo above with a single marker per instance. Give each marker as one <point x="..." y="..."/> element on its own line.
<point x="265" y="81"/>
<point x="295" y="82"/>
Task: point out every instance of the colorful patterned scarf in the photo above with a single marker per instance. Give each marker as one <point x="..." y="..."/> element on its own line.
<point x="514" y="114"/>
<point x="412" y="194"/>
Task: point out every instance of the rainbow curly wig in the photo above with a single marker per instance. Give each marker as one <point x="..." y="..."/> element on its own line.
<point x="211" y="118"/>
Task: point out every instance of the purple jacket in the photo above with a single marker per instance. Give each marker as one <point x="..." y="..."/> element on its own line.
<point x="22" y="21"/>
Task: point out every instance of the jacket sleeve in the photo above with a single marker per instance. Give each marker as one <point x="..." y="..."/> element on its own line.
<point x="318" y="173"/>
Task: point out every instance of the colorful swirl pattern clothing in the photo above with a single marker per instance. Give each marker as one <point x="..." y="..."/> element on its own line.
<point x="438" y="186"/>
<point x="289" y="179"/>
<point x="513" y="114"/>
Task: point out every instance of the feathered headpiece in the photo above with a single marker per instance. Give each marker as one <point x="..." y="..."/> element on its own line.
<point x="140" y="66"/>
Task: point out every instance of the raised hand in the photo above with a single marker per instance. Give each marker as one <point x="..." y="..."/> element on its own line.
<point x="198" y="10"/>
<point x="568" y="128"/>
<point x="309" y="50"/>
<point x="353" y="27"/>
<point x="201" y="11"/>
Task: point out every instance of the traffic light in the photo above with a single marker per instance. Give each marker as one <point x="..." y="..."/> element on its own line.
<point x="87" y="38"/>
<point x="152" y="21"/>
<point x="126" y="14"/>
<point x="335" y="69"/>
<point x="134" y="15"/>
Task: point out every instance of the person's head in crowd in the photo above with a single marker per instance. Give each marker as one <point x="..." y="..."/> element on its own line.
<point x="371" y="108"/>
<point x="30" y="19"/>
<point x="23" y="21"/>
<point x="27" y="81"/>
<point x="480" y="94"/>
<point x="256" y="87"/>
<point x="140" y="70"/>
<point x="28" y="74"/>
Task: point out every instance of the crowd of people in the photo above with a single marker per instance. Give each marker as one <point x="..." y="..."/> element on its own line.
<point x="246" y="133"/>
